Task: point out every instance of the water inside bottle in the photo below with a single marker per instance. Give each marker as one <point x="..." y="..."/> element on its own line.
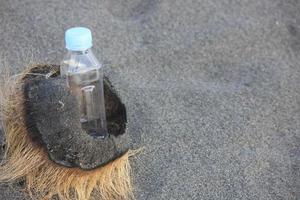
<point x="87" y="86"/>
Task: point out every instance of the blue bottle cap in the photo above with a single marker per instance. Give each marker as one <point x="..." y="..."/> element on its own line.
<point x="78" y="39"/>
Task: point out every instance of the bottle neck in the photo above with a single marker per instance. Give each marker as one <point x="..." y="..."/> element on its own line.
<point x="80" y="52"/>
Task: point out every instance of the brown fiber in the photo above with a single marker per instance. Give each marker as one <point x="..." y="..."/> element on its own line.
<point x="44" y="178"/>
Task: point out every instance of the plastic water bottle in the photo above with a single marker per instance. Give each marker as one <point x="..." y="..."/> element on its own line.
<point x="84" y="77"/>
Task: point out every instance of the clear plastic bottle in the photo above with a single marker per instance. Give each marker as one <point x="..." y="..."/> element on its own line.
<point x="84" y="77"/>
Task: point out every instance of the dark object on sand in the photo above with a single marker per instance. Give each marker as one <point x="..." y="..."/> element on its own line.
<point x="53" y="117"/>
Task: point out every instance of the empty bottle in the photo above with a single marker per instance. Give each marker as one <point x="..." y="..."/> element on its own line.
<point x="84" y="77"/>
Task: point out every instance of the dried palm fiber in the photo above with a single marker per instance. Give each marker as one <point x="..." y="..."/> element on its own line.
<point x="24" y="158"/>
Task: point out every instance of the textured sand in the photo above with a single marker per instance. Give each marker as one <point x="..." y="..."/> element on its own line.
<point x="212" y="88"/>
